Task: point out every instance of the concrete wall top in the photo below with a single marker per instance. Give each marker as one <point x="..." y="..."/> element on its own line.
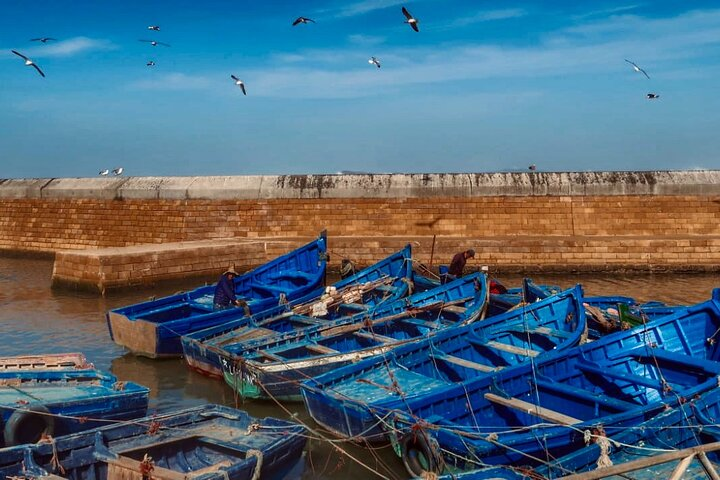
<point x="695" y="182"/>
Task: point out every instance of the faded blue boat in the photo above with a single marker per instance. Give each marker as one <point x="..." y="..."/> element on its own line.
<point x="204" y="443"/>
<point x="275" y="368"/>
<point x="351" y="402"/>
<point x="540" y="410"/>
<point x="608" y="314"/>
<point x="359" y="294"/>
<point x="154" y="328"/>
<point x="57" y="402"/>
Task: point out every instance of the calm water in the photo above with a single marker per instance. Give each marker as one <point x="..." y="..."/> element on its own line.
<point x="36" y="319"/>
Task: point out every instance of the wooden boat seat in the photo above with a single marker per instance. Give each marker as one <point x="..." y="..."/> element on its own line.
<point x="550" y="332"/>
<point x="570" y="391"/>
<point x="526" y="352"/>
<point x="307" y="320"/>
<point x="530" y="409"/>
<point x="677" y="358"/>
<point x="454" y="309"/>
<point x="321" y="349"/>
<point x="463" y="362"/>
<point x="374" y="336"/>
<point x="420" y="323"/>
<point x="270" y="356"/>
<point x="126" y="468"/>
<point x="606" y="372"/>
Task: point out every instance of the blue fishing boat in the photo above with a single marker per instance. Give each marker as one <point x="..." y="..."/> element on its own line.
<point x="610" y="314"/>
<point x="540" y="410"/>
<point x="52" y="402"/>
<point x="352" y="401"/>
<point x="274" y="368"/>
<point x="209" y="443"/>
<point x="649" y="451"/>
<point x="154" y="328"/>
<point x="359" y="294"/>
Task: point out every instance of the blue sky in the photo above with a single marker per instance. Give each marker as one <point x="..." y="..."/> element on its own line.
<point x="484" y="86"/>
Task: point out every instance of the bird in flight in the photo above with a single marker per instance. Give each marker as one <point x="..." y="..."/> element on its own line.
<point x="117" y="171"/>
<point x="412" y="21"/>
<point x="374" y="61"/>
<point x="154" y="28"/>
<point x="300" y="20"/>
<point x="43" y="39"/>
<point x="150" y="63"/>
<point x="652" y="96"/>
<point x="155" y="43"/>
<point x="104" y="172"/>
<point x="637" y="69"/>
<point x="239" y="83"/>
<point x="28" y="62"/>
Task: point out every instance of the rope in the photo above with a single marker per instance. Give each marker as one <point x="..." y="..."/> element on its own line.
<point x="258" y="467"/>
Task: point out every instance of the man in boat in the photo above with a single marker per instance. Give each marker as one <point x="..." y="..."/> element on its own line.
<point x="457" y="265"/>
<point x="225" y="290"/>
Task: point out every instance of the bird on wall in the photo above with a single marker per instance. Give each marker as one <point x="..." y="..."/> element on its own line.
<point x="117" y="171"/>
<point x="412" y="21"/>
<point x="155" y="43"/>
<point x="304" y="20"/>
<point x="28" y="62"/>
<point x="154" y="28"/>
<point x="239" y="83"/>
<point x="638" y="69"/>
<point x="374" y="61"/>
<point x="43" y="39"/>
<point x="532" y="167"/>
<point x="652" y="96"/>
<point x="103" y="172"/>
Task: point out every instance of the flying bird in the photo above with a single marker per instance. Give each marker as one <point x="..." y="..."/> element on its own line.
<point x="104" y="172"/>
<point x="154" y="28"/>
<point x="155" y="43"/>
<point x="239" y="83"/>
<point x="28" y="62"/>
<point x="374" y="61"/>
<point x="150" y="63"/>
<point x="43" y="39"/>
<point x="117" y="171"/>
<point x="652" y="96"/>
<point x="300" y="20"/>
<point x="412" y="21"/>
<point x="637" y="69"/>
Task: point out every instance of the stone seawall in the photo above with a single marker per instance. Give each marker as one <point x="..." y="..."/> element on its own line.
<point x="519" y="221"/>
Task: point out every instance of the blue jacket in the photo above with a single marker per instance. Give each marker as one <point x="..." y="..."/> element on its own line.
<point x="224" y="292"/>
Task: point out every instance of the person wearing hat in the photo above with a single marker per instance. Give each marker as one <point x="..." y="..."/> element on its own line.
<point x="457" y="265"/>
<point x="225" y="290"/>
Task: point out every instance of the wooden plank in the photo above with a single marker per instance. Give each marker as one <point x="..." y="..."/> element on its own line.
<point x="128" y="468"/>
<point x="651" y="461"/>
<point x="551" y="332"/>
<point x="526" y="352"/>
<point x="529" y="408"/>
<point x="466" y="363"/>
<point x="375" y="336"/>
<point x="269" y="356"/>
<point x="454" y="309"/>
<point x="708" y="466"/>
<point x="682" y="467"/>
<point x="210" y="468"/>
<point x="314" y="347"/>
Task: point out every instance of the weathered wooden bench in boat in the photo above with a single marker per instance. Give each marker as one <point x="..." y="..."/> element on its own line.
<point x="539" y="410"/>
<point x="387" y="280"/>
<point x="34" y="403"/>
<point x="275" y="368"/>
<point x="204" y="443"/>
<point x="50" y="361"/>
<point x="154" y="328"/>
<point x="351" y="401"/>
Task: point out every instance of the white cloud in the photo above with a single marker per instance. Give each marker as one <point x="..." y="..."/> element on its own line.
<point x="70" y="47"/>
<point x="365" y="6"/>
<point x="488" y="16"/>
<point x="178" y="81"/>
<point x="608" y="11"/>
<point x="365" y="40"/>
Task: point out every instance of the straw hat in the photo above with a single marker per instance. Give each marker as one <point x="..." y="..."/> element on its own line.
<point x="231" y="270"/>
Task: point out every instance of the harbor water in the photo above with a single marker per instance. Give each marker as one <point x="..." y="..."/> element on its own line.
<point x="36" y="319"/>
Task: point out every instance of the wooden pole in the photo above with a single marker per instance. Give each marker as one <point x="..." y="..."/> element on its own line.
<point x="682" y="467"/>
<point x="643" y="463"/>
<point x="432" y="251"/>
<point x="709" y="468"/>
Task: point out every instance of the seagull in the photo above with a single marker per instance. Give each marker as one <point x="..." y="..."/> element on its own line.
<point x="154" y="28"/>
<point x="652" y="96"/>
<point x="117" y="171"/>
<point x="637" y="69"/>
<point x="412" y="21"/>
<point x="150" y="63"/>
<point x="155" y="43"/>
<point x="374" y="61"/>
<point x="239" y="83"/>
<point x="43" y="39"/>
<point x="300" y="20"/>
<point x="104" y="172"/>
<point x="28" y="62"/>
<point x="532" y="167"/>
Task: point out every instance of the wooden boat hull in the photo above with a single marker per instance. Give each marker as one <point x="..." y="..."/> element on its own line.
<point x="275" y="368"/>
<point x="384" y="282"/>
<point x="63" y="402"/>
<point x="352" y="402"/>
<point x="531" y="411"/>
<point x="54" y="361"/>
<point x="210" y="442"/>
<point x="153" y="329"/>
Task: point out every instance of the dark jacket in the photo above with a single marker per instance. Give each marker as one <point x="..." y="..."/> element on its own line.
<point x="224" y="292"/>
<point x="457" y="265"/>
